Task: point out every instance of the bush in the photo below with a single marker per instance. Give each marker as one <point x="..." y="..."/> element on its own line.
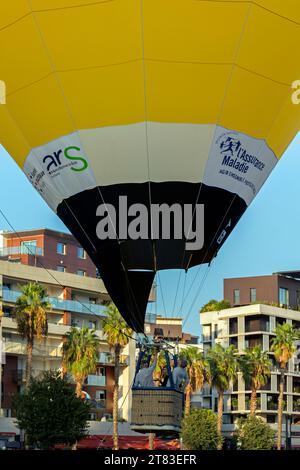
<point x="199" y="430"/>
<point x="50" y="413"/>
<point x="255" y="434"/>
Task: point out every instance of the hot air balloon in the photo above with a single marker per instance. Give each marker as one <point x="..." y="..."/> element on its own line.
<point x="175" y="102"/>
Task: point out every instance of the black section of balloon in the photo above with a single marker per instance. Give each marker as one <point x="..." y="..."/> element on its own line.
<point x="115" y="259"/>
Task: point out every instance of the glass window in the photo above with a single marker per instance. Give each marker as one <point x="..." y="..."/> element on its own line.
<point x="62" y="269"/>
<point x="236" y="296"/>
<point x="81" y="252"/>
<point x="81" y="272"/>
<point x="100" y="394"/>
<point x="283" y="296"/>
<point x="28" y="247"/>
<point x="61" y="248"/>
<point x="206" y="332"/>
<point x="252" y="294"/>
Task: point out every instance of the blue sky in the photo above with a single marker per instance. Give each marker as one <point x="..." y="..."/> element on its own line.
<point x="266" y="239"/>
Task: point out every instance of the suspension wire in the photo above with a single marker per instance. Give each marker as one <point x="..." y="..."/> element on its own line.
<point x="197" y="293"/>
<point x="176" y="293"/>
<point x="162" y="294"/>
<point x="183" y="292"/>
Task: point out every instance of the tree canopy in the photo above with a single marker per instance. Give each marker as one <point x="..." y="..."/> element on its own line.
<point x="255" y="434"/>
<point x="50" y="413"/>
<point x="215" y="306"/>
<point x="199" y="430"/>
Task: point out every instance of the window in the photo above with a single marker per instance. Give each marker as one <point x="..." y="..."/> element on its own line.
<point x="61" y="248"/>
<point x="283" y="296"/>
<point x="206" y="332"/>
<point x="81" y="272"/>
<point x="29" y="247"/>
<point x="101" y="371"/>
<point x="60" y="268"/>
<point x="252" y="294"/>
<point x="81" y="252"/>
<point x="100" y="394"/>
<point x="236" y="296"/>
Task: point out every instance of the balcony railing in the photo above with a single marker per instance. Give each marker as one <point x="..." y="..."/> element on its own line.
<point x="20" y="347"/>
<point x="98" y="403"/>
<point x="96" y="380"/>
<point x="108" y="358"/>
<point x="60" y="304"/>
<point x="21" y="250"/>
<point x="18" y="376"/>
<point x="296" y="405"/>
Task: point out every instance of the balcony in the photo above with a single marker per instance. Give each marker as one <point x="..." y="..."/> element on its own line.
<point x="19" y="375"/>
<point x="257" y="323"/>
<point x="296" y="404"/>
<point x="252" y="341"/>
<point x="248" y="402"/>
<point x="60" y="304"/>
<point x="20" y="347"/>
<point x="96" y="380"/>
<point x="98" y="404"/>
<point x="21" y="250"/>
<point x="109" y="359"/>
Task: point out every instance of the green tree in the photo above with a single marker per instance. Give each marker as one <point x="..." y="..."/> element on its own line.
<point x="255" y="366"/>
<point x="283" y="345"/>
<point x="30" y="313"/>
<point x="80" y="354"/>
<point x="196" y="370"/>
<point x="215" y="306"/>
<point x="199" y="430"/>
<point x="117" y="334"/>
<point x="254" y="434"/>
<point x="50" y="413"/>
<point x="223" y="370"/>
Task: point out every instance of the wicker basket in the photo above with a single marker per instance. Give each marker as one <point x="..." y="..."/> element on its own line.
<point x="156" y="410"/>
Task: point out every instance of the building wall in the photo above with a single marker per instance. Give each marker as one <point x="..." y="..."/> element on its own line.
<point x="267" y="289"/>
<point x="9" y="384"/>
<point x="47" y="240"/>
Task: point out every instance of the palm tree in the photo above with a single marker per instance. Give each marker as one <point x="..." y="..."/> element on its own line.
<point x="30" y="313"/>
<point x="197" y="372"/>
<point x="223" y="370"/>
<point x="117" y="333"/>
<point x="283" y="345"/>
<point x="255" y="366"/>
<point x="80" y="354"/>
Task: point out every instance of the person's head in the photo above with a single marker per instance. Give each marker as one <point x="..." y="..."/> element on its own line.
<point x="182" y="363"/>
<point x="164" y="371"/>
<point x="144" y="365"/>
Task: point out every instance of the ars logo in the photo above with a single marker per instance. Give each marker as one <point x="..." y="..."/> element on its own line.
<point x="55" y="159"/>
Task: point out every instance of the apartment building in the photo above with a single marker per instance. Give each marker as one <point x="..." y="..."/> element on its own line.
<point x="246" y="326"/>
<point x="171" y="328"/>
<point x="54" y="250"/>
<point x="282" y="288"/>
<point x="77" y="298"/>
